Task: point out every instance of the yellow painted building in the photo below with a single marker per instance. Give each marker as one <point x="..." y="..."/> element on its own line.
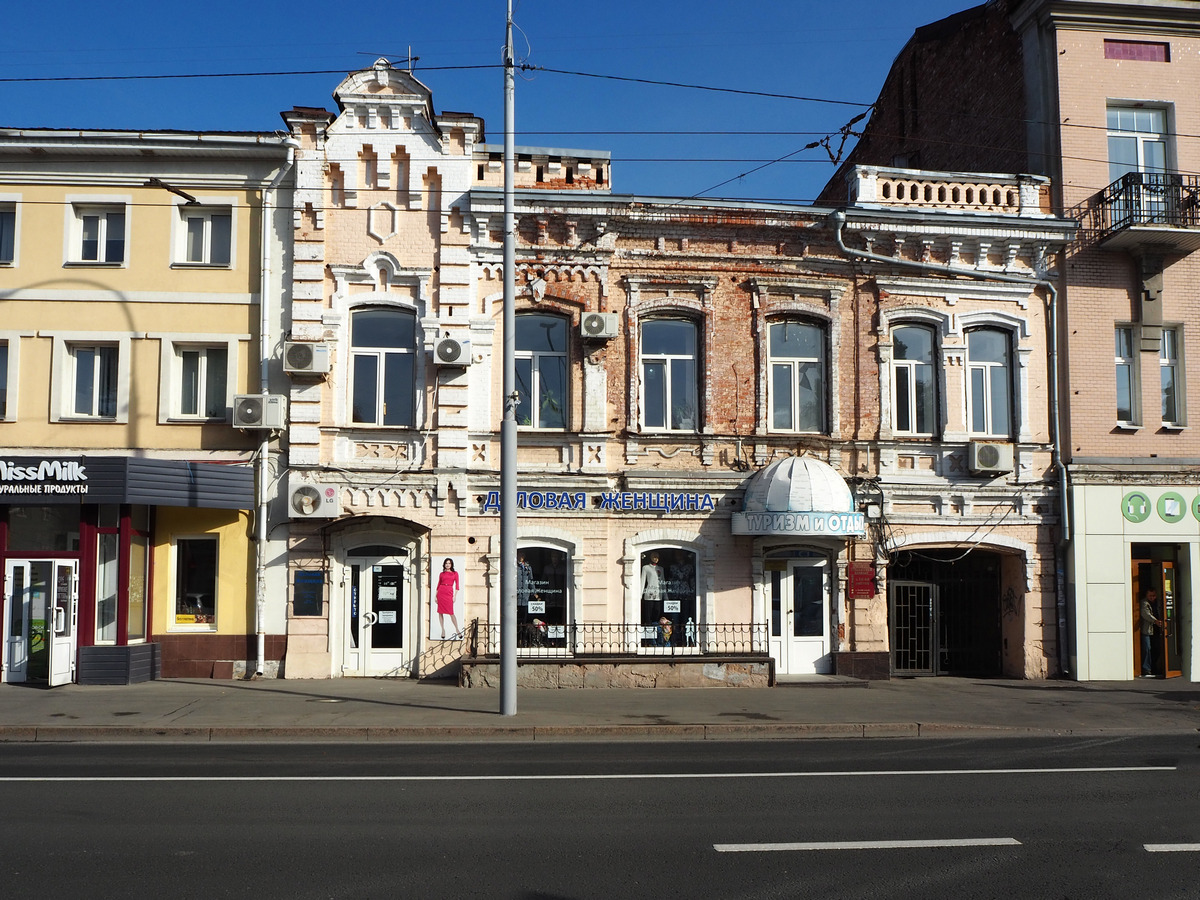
<point x="137" y="273"/>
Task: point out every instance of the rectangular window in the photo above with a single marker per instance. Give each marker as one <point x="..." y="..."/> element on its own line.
<point x="139" y="556"/>
<point x="8" y="233"/>
<point x="106" y="588"/>
<point x="1147" y="51"/>
<point x="3" y="380"/>
<point x="914" y="390"/>
<point x="203" y="375"/>
<point x="989" y="383"/>
<point x="797" y="385"/>
<point x="196" y="582"/>
<point x="1171" y="377"/>
<point x="95" y="381"/>
<point x="101" y="234"/>
<point x="669" y="387"/>
<point x="1127" y="383"/>
<point x="207" y="236"/>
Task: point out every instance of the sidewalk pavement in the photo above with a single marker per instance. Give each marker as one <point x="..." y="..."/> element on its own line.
<point x="379" y="709"/>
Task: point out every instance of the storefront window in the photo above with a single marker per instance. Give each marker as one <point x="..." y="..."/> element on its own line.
<point x="106" y="588"/>
<point x="542" y="597"/>
<point x="668" y="591"/>
<point x="44" y="528"/>
<point x="137" y="587"/>
<point x="196" y="581"/>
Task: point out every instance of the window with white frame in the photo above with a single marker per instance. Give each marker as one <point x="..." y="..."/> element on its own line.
<point x="206" y="235"/>
<point x="1127" y="376"/>
<point x="541" y="369"/>
<point x="914" y="385"/>
<point x="989" y="382"/>
<point x="1137" y="143"/>
<point x="1137" y="140"/>
<point x="202" y="384"/>
<point x="196" y="583"/>
<point x="8" y="233"/>
<point x="669" y="367"/>
<point x="94" y="374"/>
<point x="383" y="367"/>
<point x="1171" y="377"/>
<point x="797" y="377"/>
<point x="100" y="234"/>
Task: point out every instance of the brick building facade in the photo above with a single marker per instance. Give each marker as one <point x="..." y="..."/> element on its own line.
<point x="1097" y="96"/>
<point x="738" y="423"/>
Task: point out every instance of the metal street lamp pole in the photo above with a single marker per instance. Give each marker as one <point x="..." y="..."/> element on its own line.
<point x="508" y="426"/>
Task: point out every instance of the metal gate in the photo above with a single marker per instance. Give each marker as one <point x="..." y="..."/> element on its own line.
<point x="914" y="626"/>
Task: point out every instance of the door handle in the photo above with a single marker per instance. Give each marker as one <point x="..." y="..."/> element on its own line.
<point x="60" y="620"/>
<point x="370" y="618"/>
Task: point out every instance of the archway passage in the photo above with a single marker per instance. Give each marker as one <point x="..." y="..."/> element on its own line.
<point x="944" y="612"/>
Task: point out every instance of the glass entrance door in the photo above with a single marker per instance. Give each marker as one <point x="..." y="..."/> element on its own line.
<point x="800" y="616"/>
<point x="40" y="620"/>
<point x="1166" y="644"/>
<point x="378" y="633"/>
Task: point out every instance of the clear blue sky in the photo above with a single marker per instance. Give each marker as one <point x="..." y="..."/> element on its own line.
<point x="810" y="48"/>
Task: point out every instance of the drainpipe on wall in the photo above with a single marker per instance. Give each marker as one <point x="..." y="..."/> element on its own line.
<point x="266" y="343"/>
<point x="838" y="219"/>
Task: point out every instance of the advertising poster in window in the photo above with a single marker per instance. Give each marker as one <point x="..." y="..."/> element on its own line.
<point x="541" y="597"/>
<point x="668" y="593"/>
<point x="446" y="606"/>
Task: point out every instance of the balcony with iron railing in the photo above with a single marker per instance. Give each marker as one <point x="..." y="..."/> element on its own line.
<point x="1143" y="211"/>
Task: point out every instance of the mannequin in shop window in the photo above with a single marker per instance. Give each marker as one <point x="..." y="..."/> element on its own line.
<point x="652" y="581"/>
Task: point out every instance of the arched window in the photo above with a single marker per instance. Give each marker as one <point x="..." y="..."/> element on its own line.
<point x="989" y="382"/>
<point x="669" y="391"/>
<point x="541" y="361"/>
<point x="914" y="385"/>
<point x="382" y="361"/>
<point x="797" y="381"/>
<point x="543" y="610"/>
<point x="669" y="606"/>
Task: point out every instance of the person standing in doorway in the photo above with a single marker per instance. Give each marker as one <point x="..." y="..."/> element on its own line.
<point x="1149" y="620"/>
<point x="447" y="593"/>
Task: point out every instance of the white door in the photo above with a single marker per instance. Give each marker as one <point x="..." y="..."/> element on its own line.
<point x="40" y="620"/>
<point x="378" y="638"/>
<point x="62" y="621"/>
<point x="799" y="590"/>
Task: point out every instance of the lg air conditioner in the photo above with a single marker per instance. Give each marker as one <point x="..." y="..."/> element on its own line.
<point x="259" y="411"/>
<point x="313" y="501"/>
<point x="452" y="352"/>
<point x="990" y="457"/>
<point x="305" y="358"/>
<point x="598" y="326"/>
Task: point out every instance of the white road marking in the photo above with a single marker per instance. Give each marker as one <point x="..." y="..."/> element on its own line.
<point x="635" y="776"/>
<point x="1172" y="848"/>
<point x="868" y="845"/>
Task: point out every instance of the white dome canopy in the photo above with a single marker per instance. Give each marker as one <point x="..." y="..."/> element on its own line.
<point x="798" y="484"/>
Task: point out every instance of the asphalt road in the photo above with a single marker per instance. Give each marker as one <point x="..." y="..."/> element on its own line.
<point x="1005" y="818"/>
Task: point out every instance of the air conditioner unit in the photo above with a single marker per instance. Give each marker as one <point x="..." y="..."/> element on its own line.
<point x="313" y="501"/>
<point x="257" y="411"/>
<point x="990" y="457"/>
<point x="598" y="326"/>
<point x="452" y="352"/>
<point x="305" y="358"/>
